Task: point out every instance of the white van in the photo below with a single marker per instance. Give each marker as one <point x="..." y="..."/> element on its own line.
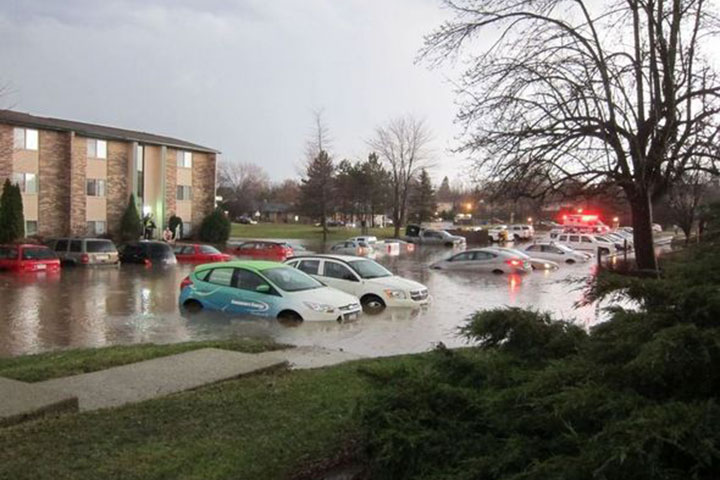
<point x="587" y="242"/>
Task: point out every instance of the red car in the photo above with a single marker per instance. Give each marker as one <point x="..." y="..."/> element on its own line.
<point x="199" y="253"/>
<point x="28" y="258"/>
<point x="277" y="251"/>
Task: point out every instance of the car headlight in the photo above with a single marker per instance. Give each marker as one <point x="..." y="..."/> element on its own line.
<point x="320" y="307"/>
<point x="395" y="293"/>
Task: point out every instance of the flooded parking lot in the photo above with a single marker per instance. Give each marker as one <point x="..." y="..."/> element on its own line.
<point x="93" y="307"/>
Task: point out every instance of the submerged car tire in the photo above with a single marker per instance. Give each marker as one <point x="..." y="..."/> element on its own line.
<point x="192" y="306"/>
<point x="372" y="304"/>
<point x="569" y="261"/>
<point x="289" y="318"/>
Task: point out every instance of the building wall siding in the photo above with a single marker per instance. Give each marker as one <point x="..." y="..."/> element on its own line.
<point x="203" y="186"/>
<point x="6" y="152"/>
<point x="54" y="183"/>
<point x="118" y="184"/>
<point x="78" y="169"/>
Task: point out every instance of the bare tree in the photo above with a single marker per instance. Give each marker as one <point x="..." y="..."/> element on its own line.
<point x="319" y="140"/>
<point x="242" y="186"/>
<point x="614" y="92"/>
<point x="404" y="145"/>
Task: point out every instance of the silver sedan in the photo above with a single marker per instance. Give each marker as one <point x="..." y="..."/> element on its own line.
<point x="485" y="260"/>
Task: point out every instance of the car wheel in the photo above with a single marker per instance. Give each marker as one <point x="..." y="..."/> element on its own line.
<point x="569" y="261"/>
<point x="372" y="304"/>
<point x="192" y="306"/>
<point x="289" y="318"/>
<point x="497" y="271"/>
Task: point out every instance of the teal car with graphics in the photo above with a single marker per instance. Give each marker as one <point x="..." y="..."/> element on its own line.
<point x="265" y="289"/>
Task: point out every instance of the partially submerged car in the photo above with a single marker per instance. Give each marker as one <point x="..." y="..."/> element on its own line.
<point x="28" y="258"/>
<point x="85" y="251"/>
<point x="147" y="252"/>
<point x="199" y="253"/>
<point x="262" y="250"/>
<point x="485" y="260"/>
<point x="265" y="289"/>
<point x="358" y="248"/>
<point x="373" y="284"/>
<point x="556" y="252"/>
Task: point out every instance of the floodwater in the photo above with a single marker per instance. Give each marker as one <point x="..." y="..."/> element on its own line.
<point x="94" y="307"/>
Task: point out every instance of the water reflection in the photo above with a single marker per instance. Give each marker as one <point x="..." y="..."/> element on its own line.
<point x="132" y="303"/>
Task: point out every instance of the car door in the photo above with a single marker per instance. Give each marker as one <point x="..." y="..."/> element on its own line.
<point x="338" y="275"/>
<point x="215" y="288"/>
<point x="61" y="247"/>
<point x="461" y="261"/>
<point x="484" y="261"/>
<point x="75" y="251"/>
<point x="252" y="295"/>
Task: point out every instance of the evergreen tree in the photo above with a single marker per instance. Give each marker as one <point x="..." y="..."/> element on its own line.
<point x="131" y="227"/>
<point x="12" y="221"/>
<point x="444" y="194"/>
<point x="316" y="190"/>
<point x="215" y="228"/>
<point x="423" y="204"/>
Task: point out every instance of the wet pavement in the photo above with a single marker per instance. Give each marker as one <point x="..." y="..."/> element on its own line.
<point x="94" y="307"/>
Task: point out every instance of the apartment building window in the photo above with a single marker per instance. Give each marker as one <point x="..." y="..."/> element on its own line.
<point x="184" y="159"/>
<point x="140" y="172"/>
<point x="26" y="181"/>
<point x="30" y="228"/>
<point x="95" y="188"/>
<point x="184" y="192"/>
<point x="25" y="139"/>
<point x="96" y="148"/>
<point x="96" y="228"/>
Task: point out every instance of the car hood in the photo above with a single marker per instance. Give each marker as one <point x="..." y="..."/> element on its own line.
<point x="395" y="282"/>
<point x="326" y="295"/>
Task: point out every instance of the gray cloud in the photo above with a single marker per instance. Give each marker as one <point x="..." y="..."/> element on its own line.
<point x="241" y="76"/>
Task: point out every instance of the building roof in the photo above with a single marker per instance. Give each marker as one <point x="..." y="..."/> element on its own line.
<point x="96" y="131"/>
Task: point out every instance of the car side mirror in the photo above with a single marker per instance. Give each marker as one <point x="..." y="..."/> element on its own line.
<point x="264" y="288"/>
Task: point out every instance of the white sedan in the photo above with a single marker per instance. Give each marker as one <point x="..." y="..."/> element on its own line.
<point x="493" y="260"/>
<point x="556" y="252"/>
<point x="535" y="263"/>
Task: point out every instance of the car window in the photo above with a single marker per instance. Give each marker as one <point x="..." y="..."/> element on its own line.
<point x="310" y="267"/>
<point x="602" y="239"/>
<point x="61" y="246"/>
<point x="37" y="254"/>
<point x="369" y="269"/>
<point x="99" y="246"/>
<point x="220" y="276"/>
<point x="209" y="250"/>
<point x="8" y="253"/>
<point x="535" y="248"/>
<point x="462" y="257"/>
<point x="76" y="245"/>
<point x="247" y="280"/>
<point x="339" y="271"/>
<point x="574" y="238"/>
<point x="586" y="239"/>
<point x="293" y="264"/>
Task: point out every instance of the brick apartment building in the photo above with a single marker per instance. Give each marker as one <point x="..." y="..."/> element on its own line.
<point x="76" y="178"/>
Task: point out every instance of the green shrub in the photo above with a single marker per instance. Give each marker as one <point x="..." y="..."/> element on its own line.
<point x="175" y="224"/>
<point x="131" y="227"/>
<point x="12" y="220"/>
<point x="636" y="398"/>
<point x="215" y="228"/>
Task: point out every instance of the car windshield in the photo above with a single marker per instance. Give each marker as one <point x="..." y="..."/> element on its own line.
<point x="369" y="269"/>
<point x="290" y="279"/>
<point x="100" y="246"/>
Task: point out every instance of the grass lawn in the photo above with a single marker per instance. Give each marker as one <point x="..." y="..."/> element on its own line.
<point x="301" y="232"/>
<point x="35" y="368"/>
<point x="266" y="426"/>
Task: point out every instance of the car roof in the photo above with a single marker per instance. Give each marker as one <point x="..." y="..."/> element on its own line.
<point x="255" y="265"/>
<point x="24" y="245"/>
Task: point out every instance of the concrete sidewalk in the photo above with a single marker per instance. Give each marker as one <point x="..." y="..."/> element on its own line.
<point x="140" y="381"/>
<point x="20" y="401"/>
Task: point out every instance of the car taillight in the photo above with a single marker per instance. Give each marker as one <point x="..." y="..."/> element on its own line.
<point x="185" y="283"/>
<point x="147" y="262"/>
<point x="514" y="262"/>
<point x="84" y="258"/>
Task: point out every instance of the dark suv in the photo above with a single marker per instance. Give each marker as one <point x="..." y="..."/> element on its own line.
<point x="148" y="252"/>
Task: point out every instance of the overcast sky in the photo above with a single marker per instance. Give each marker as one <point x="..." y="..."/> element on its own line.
<point x="242" y="76"/>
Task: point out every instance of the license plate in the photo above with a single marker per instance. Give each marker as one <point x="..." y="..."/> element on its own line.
<point x="102" y="257"/>
<point x="40" y="266"/>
